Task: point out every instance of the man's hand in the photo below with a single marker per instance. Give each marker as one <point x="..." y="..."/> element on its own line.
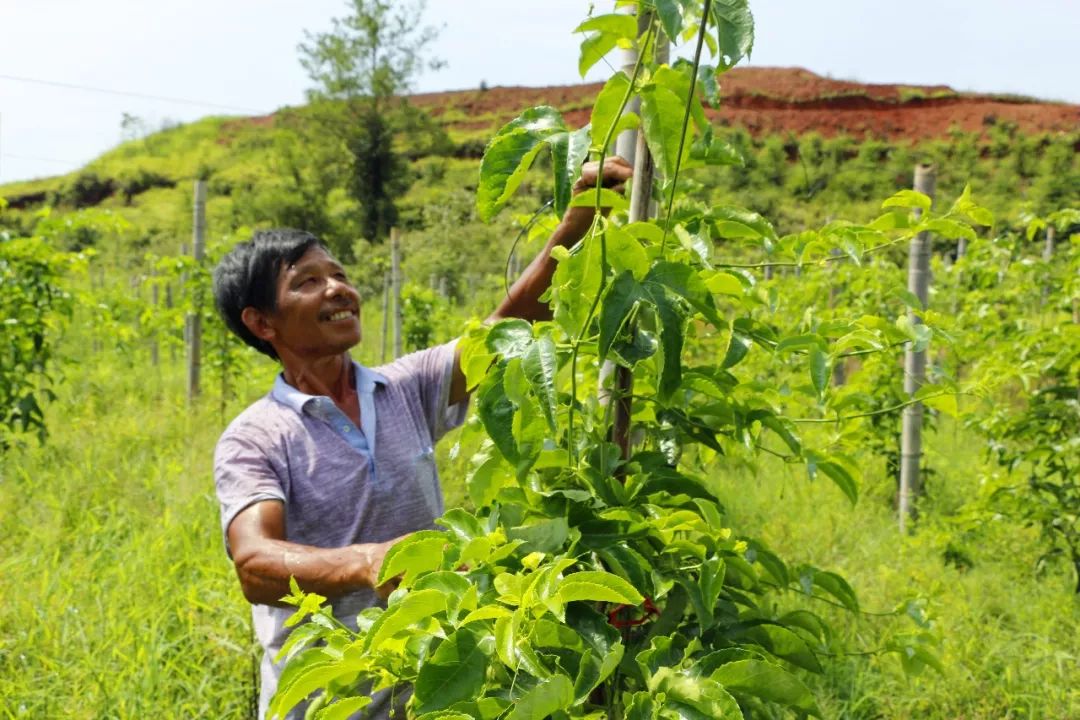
<point x="374" y="555"/>
<point x="616" y="172"/>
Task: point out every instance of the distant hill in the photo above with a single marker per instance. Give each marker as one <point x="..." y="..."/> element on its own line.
<point x="824" y="142"/>
<point x="789" y="100"/>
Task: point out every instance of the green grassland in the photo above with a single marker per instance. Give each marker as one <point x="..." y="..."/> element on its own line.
<point x="117" y="599"/>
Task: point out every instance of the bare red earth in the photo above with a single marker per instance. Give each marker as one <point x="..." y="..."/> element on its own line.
<point x="783" y="100"/>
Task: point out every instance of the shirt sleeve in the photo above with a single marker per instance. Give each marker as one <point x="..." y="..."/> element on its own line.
<point x="433" y="371"/>
<point x="243" y="476"/>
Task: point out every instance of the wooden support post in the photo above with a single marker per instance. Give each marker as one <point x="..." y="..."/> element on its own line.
<point x="839" y="370"/>
<point x="385" y="317"/>
<point x="155" y="290"/>
<point x="198" y="238"/>
<point x="395" y="280"/>
<point x="915" y="362"/>
<point x="641" y="208"/>
<point x="1047" y="256"/>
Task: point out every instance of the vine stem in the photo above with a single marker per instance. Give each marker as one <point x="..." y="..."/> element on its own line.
<point x="822" y="261"/>
<point x="685" y="121"/>
<point x="873" y="413"/>
<point x="570" y="447"/>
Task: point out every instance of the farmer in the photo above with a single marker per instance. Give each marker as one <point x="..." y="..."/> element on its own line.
<point x="318" y="478"/>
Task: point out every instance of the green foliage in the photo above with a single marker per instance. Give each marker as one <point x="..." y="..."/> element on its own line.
<point x="33" y="307"/>
<point x="592" y="578"/>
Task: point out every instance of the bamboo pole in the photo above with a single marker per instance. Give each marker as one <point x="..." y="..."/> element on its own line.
<point x="395" y="280"/>
<point x="915" y="362"/>
<point x="385" y="317"/>
<point x="198" y="239"/>
<point x="641" y="208"/>
<point x="1047" y="256"/>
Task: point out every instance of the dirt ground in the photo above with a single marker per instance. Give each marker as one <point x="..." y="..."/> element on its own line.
<point x="782" y="100"/>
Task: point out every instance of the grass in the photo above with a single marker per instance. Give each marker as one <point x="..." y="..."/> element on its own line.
<point x="1009" y="639"/>
<point x="118" y="600"/>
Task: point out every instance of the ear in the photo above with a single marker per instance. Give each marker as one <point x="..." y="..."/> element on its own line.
<point x="258" y="323"/>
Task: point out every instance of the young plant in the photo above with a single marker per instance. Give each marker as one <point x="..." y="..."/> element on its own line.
<point x="594" y="580"/>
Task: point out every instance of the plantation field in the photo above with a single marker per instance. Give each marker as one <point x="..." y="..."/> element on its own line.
<point x="800" y="438"/>
<point x="118" y="600"/>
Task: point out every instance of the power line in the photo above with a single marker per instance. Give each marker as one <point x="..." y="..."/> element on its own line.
<point x="124" y="93"/>
<point x="40" y="159"/>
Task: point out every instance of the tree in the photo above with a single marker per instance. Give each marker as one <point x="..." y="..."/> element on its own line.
<point x="363" y="67"/>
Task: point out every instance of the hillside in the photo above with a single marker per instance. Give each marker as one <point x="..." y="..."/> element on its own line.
<point x="791" y="100"/>
<point x="810" y="145"/>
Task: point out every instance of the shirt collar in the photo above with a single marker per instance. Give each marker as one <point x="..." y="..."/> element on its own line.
<point x="286" y="394"/>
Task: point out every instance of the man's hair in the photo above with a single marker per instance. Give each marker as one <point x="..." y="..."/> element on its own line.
<point x="247" y="277"/>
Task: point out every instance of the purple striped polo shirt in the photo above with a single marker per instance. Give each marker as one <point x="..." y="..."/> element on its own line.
<point x="340" y="484"/>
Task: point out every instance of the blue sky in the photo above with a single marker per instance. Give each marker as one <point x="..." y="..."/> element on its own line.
<point x="241" y="55"/>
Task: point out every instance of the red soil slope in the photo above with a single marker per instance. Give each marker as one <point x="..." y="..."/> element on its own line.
<point x="783" y="100"/>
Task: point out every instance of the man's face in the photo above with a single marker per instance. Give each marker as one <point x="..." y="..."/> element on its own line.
<point x="318" y="310"/>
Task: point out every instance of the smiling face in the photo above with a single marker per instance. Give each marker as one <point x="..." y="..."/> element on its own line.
<point x="317" y="311"/>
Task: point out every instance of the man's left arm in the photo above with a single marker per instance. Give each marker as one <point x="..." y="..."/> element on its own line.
<point x="523" y="299"/>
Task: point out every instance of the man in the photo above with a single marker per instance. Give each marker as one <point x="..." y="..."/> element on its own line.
<point x="317" y="479"/>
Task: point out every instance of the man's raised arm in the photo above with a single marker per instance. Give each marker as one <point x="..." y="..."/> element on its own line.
<point x="523" y="299"/>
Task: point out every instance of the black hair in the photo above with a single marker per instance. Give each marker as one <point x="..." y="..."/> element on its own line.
<point x="247" y="277"/>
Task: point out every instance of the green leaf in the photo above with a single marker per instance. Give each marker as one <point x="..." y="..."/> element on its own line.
<point x="414" y="607"/>
<point x="819" y="369"/>
<point x="628" y="564"/>
<point x="541" y="535"/>
<point x="734" y="222"/>
<point x="785" y="644"/>
<point x="511" y="152"/>
<point x="605" y="112"/>
<point x="462" y="523"/>
<point x="545" y="699"/>
<point x="672" y="323"/>
<point x="811" y="577"/>
<point x="568" y="151"/>
<point x="842" y="477"/>
<point x="908" y="199"/>
<point x="670" y="14"/>
<point x="510" y="338"/>
<point x="710" y="150"/>
<point x="540" y="366"/>
<point x="597" y="586"/>
<point x="724" y="283"/>
<point x="951" y="229"/>
<point x="618" y="302"/>
<point x="694" y="698"/>
<point x="684" y="281"/>
<point x="608" y="31"/>
<point x="622" y="26"/>
<point x="455" y="672"/>
<point x="307" y="677"/>
<point x="506" y="638"/>
<point x="768" y="682"/>
<point x="738" y="347"/>
<point x="642" y="706"/>
<point x="624" y="252"/>
<point x="496" y="412"/>
<point x="417" y="553"/>
<point x="509" y="155"/>
<point x="608" y="199"/>
<point x="798" y="342"/>
<point x="661" y="121"/>
<point x="735" y="30"/>
<point x="490" y="475"/>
